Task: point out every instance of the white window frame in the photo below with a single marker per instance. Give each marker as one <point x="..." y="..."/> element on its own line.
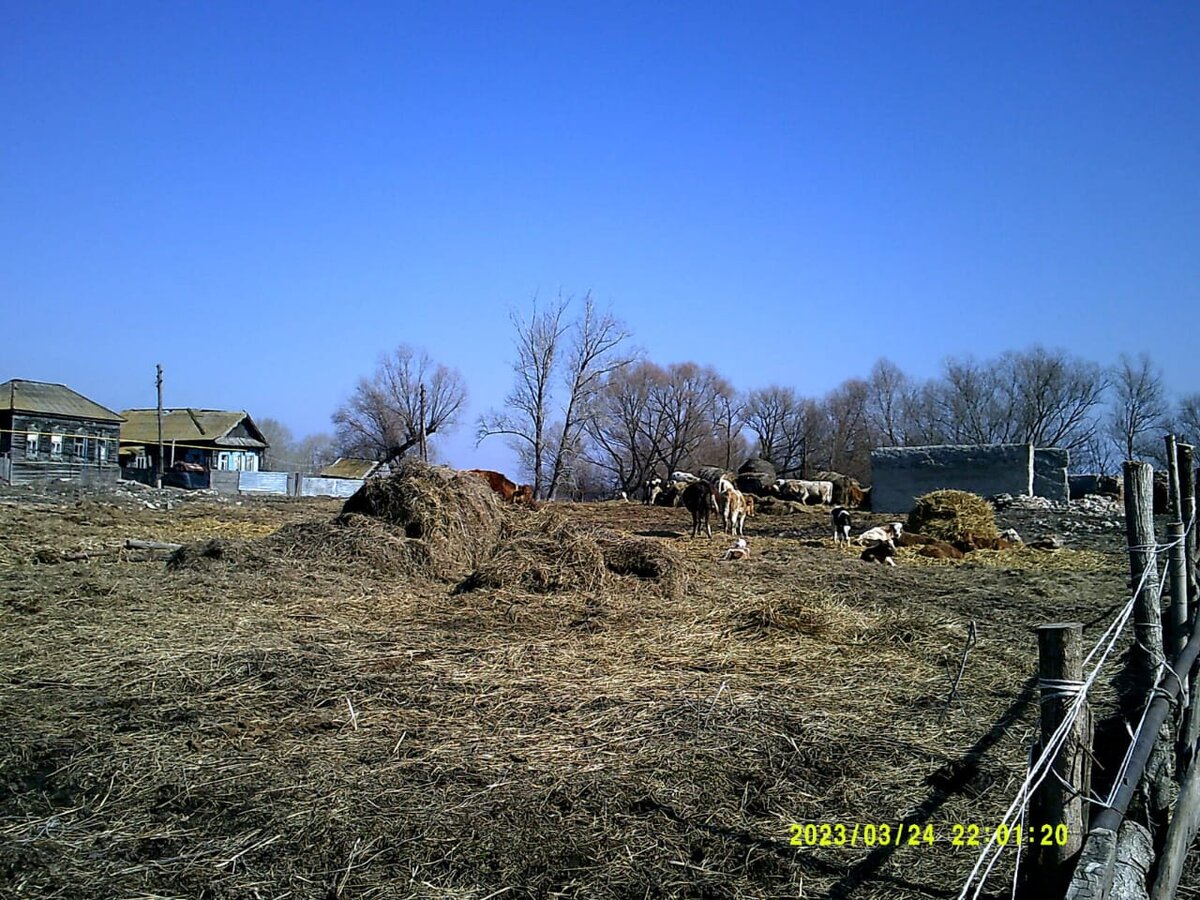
<point x="32" y="444"/>
<point x="79" y="446"/>
<point x="56" y="445"/>
<point x="101" y="451"/>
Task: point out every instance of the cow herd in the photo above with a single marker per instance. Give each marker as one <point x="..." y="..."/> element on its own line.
<point x="715" y="492"/>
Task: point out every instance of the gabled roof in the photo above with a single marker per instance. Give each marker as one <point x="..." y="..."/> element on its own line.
<point x="349" y="467"/>
<point x="19" y="395"/>
<point x="191" y="426"/>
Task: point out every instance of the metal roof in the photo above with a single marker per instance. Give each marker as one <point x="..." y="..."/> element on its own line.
<point x="349" y="467"/>
<point x="190" y="426"/>
<point x="49" y="399"/>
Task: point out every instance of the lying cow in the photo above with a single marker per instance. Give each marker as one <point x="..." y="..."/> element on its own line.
<point x="880" y="553"/>
<point x="701" y="502"/>
<point x="685" y="476"/>
<point x="739" y="550"/>
<point x="890" y="533"/>
<point x="841" y="525"/>
<point x="810" y="493"/>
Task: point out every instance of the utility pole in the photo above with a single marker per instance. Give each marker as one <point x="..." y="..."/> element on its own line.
<point x="424" y="446"/>
<point x="158" y="464"/>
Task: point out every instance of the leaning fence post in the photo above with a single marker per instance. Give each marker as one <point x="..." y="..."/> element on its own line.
<point x="1059" y="798"/>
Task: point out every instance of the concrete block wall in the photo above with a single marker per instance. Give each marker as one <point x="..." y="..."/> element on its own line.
<point x="1050" y="473"/>
<point x="901" y="474"/>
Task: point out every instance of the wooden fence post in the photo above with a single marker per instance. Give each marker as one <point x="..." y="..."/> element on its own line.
<point x="1173" y="478"/>
<point x="1187" y="495"/>
<point x="1143" y="566"/>
<point x="1059" y="798"/>
<point x="1147" y="651"/>
<point x="1176" y="632"/>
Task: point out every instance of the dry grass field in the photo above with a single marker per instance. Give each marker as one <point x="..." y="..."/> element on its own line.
<point x="251" y="725"/>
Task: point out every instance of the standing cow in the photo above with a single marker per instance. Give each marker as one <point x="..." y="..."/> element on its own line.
<point x="701" y="502"/>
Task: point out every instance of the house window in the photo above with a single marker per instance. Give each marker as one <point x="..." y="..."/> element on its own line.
<point x="101" y="451"/>
<point x="223" y="462"/>
<point x="251" y="462"/>
<point x="79" y="447"/>
<point x="31" y="445"/>
<point x="56" y="442"/>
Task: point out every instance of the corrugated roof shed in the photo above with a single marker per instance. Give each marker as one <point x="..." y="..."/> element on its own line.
<point x="19" y="395"/>
<point x="349" y="467"/>
<point x="190" y="426"/>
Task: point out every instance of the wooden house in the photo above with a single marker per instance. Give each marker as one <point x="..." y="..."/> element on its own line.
<point x="48" y="431"/>
<point x="212" y="439"/>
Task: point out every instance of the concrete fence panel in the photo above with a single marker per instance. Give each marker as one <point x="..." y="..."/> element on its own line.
<point x="901" y="474"/>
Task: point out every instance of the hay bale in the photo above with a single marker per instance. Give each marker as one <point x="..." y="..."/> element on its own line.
<point x="773" y="506"/>
<point x="644" y="558"/>
<point x="216" y="553"/>
<point x="458" y="516"/>
<point x="950" y="515"/>
<point x="352" y="541"/>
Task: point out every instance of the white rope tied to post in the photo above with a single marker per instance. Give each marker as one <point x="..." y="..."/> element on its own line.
<point x="1058" y="688"/>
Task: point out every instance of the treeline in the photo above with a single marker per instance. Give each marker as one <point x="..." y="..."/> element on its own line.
<point x="588" y="413"/>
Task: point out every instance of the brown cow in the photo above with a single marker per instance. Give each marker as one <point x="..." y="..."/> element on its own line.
<point x="498" y="483"/>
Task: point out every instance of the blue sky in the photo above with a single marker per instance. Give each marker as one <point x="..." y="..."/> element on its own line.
<point x="263" y="197"/>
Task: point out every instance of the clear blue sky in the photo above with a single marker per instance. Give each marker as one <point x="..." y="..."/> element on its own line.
<point x="263" y="196"/>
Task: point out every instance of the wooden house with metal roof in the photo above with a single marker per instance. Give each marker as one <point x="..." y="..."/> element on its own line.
<point x="214" y="439"/>
<point x="48" y="432"/>
<point x="350" y="467"/>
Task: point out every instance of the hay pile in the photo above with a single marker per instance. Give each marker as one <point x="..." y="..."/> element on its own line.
<point x="457" y="516"/>
<point x="951" y="515"/>
<point x="545" y="553"/>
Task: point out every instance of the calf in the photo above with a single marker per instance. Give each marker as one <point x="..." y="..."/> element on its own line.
<point x="524" y="495"/>
<point x="841" y="525"/>
<point x="739" y="550"/>
<point x="654" y="487"/>
<point x="701" y="502"/>
<point x="890" y="532"/>
<point x="733" y="511"/>
<point x="880" y="553"/>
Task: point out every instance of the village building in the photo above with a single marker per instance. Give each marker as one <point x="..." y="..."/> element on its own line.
<point x="350" y="467"/>
<point x="197" y="439"/>
<point x="49" y="432"/>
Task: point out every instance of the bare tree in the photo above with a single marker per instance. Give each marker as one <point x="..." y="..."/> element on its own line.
<point x="1187" y="418"/>
<point x="382" y="418"/>
<point x="280" y="444"/>
<point x="776" y="415"/>
<point x="649" y="419"/>
<point x="596" y="353"/>
<point x="847" y="443"/>
<point x="315" y="452"/>
<point x="1139" y="406"/>
<point x="625" y="431"/>
<point x="887" y="401"/>
<point x="729" y="418"/>
<point x="528" y="406"/>
<point x="1055" y="397"/>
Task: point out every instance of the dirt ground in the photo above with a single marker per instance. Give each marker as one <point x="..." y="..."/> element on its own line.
<point x="268" y="731"/>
